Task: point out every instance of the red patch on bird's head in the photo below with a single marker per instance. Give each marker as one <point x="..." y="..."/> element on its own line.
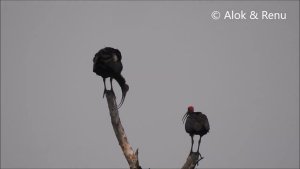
<point x="190" y="109"/>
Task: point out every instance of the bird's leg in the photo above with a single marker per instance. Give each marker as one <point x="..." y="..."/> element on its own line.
<point x="199" y="147"/>
<point x="192" y="139"/>
<point x="111" y="87"/>
<point x="104" y="92"/>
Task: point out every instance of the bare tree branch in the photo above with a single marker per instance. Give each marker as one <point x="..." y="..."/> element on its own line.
<point x="191" y="161"/>
<point x="130" y="155"/>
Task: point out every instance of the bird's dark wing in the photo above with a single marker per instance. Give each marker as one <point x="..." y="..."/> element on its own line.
<point x="118" y="53"/>
<point x="115" y="67"/>
<point x="108" y="64"/>
<point x="107" y="55"/>
<point x="190" y="125"/>
<point x="104" y="58"/>
<point x="206" y="123"/>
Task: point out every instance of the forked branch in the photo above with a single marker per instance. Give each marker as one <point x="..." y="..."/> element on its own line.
<point x="191" y="161"/>
<point x="130" y="155"/>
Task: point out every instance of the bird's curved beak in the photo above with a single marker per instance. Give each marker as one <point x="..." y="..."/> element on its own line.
<point x="184" y="117"/>
<point x="125" y="89"/>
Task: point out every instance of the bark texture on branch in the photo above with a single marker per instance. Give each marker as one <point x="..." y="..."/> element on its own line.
<point x="130" y="155"/>
<point x="191" y="161"/>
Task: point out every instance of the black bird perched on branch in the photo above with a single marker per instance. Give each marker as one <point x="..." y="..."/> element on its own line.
<point x="196" y="123"/>
<point x="107" y="63"/>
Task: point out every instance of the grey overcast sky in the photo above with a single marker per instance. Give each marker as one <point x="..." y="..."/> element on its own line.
<point x="243" y="74"/>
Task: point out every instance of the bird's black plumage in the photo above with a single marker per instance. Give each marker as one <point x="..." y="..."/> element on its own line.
<point x="196" y="123"/>
<point x="107" y="63"/>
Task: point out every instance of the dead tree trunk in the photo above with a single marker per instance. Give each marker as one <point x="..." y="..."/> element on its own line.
<point x="130" y="155"/>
